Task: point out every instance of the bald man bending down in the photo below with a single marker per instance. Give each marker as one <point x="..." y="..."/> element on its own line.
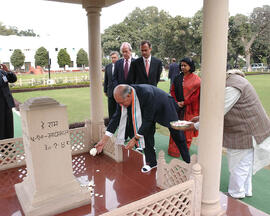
<point x="145" y="105"/>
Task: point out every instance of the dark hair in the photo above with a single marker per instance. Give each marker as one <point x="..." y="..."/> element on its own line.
<point x="146" y="42"/>
<point x="190" y="62"/>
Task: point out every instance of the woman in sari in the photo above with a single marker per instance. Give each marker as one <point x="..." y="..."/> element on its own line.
<point x="186" y="92"/>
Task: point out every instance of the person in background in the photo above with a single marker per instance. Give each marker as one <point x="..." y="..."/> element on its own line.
<point x="120" y="76"/>
<point x="186" y="92"/>
<point x="6" y="102"/>
<point x="149" y="105"/>
<point x="122" y="66"/>
<point x="246" y="133"/>
<point x="108" y="83"/>
<point x="173" y="71"/>
<point x="146" y="69"/>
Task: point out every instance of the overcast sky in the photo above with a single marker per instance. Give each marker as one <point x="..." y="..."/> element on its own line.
<point x="69" y="21"/>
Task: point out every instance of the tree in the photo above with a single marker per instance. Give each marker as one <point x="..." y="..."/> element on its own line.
<point x="235" y="45"/>
<point x="196" y="36"/>
<point x="4" y="30"/>
<point x="13" y="30"/>
<point x="260" y="50"/>
<point x="42" y="57"/>
<point x="137" y="26"/>
<point x="256" y="26"/>
<point x="17" y="59"/>
<point x="176" y="38"/>
<point x="82" y="58"/>
<point x="63" y="58"/>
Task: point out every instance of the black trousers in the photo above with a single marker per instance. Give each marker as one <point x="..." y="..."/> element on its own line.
<point x="111" y="106"/>
<point x="177" y="136"/>
<point x="149" y="151"/>
<point x="180" y="141"/>
<point x="6" y="122"/>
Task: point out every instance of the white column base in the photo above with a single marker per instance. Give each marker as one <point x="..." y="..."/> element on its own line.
<point x="212" y="209"/>
<point x="53" y="201"/>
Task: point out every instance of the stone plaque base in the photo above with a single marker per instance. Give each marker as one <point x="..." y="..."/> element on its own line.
<point x="52" y="202"/>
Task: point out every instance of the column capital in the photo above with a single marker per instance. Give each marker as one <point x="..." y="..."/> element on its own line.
<point x="92" y="11"/>
<point x="94" y="5"/>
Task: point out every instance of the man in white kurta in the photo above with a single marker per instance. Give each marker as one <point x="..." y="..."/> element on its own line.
<point x="246" y="134"/>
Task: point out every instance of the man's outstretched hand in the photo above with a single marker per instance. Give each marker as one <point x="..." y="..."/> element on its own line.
<point x="100" y="145"/>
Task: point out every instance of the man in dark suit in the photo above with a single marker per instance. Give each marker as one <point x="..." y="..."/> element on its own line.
<point x="122" y="66"/>
<point x="156" y="106"/>
<point x="6" y="103"/>
<point x="173" y="71"/>
<point x="108" y="83"/>
<point x="146" y="69"/>
<point x="120" y="76"/>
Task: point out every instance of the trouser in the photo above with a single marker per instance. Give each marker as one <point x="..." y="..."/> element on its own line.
<point x="177" y="136"/>
<point x="6" y="122"/>
<point x="240" y="163"/>
<point x="129" y="132"/>
<point x="180" y="141"/>
<point x="111" y="106"/>
<point x="149" y="151"/>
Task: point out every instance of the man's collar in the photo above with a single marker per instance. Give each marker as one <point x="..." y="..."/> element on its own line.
<point x="149" y="59"/>
<point x="129" y="60"/>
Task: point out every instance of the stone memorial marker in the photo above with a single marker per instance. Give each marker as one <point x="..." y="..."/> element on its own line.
<point x="50" y="186"/>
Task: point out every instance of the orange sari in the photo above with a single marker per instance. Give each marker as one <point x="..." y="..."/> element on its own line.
<point x="191" y="91"/>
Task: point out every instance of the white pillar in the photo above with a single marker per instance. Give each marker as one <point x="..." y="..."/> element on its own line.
<point x="96" y="110"/>
<point x="214" y="56"/>
<point x="50" y="186"/>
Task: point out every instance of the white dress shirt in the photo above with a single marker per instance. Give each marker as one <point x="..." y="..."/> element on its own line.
<point x="149" y="60"/>
<point x="129" y="62"/>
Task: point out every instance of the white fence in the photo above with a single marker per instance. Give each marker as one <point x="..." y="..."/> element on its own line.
<point x="45" y="81"/>
<point x="182" y="195"/>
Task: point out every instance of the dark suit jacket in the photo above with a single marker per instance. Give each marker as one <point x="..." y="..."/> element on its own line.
<point x="156" y="106"/>
<point x="108" y="80"/>
<point x="173" y="71"/>
<point x="137" y="74"/>
<point x="119" y="76"/>
<point x="5" y="94"/>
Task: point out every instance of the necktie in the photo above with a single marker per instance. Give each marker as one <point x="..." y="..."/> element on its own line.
<point x="147" y="67"/>
<point x="112" y="69"/>
<point x="126" y="69"/>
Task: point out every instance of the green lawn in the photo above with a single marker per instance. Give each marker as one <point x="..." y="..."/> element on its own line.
<point x="76" y="99"/>
<point x="262" y="85"/>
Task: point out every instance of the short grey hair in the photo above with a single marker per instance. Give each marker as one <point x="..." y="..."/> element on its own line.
<point x="124" y="44"/>
<point x="235" y="71"/>
<point x="123" y="90"/>
<point x="114" y="53"/>
<point x="126" y="91"/>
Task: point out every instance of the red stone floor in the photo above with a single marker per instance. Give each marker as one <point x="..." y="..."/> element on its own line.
<point x="116" y="184"/>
